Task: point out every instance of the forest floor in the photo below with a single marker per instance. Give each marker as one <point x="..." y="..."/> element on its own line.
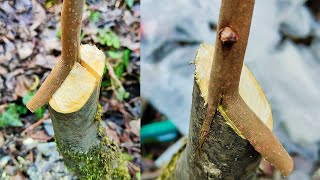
<point x="30" y="32"/>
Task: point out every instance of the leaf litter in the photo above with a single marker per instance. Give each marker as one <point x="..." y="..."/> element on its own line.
<point x="30" y="44"/>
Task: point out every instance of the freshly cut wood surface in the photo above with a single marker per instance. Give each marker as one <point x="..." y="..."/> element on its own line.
<point x="247" y="111"/>
<point x="249" y="89"/>
<point x="81" y="81"/>
<point x="92" y="59"/>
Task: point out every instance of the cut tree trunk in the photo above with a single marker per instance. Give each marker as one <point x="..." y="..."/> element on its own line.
<point x="225" y="154"/>
<point x="76" y="118"/>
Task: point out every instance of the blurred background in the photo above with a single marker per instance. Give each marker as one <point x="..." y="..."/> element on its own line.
<point x="283" y="53"/>
<point x="30" y="32"/>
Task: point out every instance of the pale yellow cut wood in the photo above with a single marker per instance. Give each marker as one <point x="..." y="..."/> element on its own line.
<point x="81" y="81"/>
<point x="92" y="59"/>
<point x="74" y="91"/>
<point x="249" y="89"/>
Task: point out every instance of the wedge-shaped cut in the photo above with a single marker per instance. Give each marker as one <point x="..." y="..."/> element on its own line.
<point x="92" y="59"/>
<point x="249" y="89"/>
<point x="74" y="91"/>
<point x="81" y="81"/>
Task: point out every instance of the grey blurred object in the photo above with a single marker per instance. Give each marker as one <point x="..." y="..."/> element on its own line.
<point x="286" y="71"/>
<point x="47" y="149"/>
<point x="48" y="164"/>
<point x="291" y="12"/>
<point x="48" y="127"/>
<point x="315" y="46"/>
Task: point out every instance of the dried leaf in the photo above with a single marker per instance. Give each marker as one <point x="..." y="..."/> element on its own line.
<point x="25" y="49"/>
<point x="40" y="135"/>
<point x="47" y="61"/>
<point x="39" y="15"/>
<point x="135" y="127"/>
<point x="112" y="134"/>
<point x="24" y="84"/>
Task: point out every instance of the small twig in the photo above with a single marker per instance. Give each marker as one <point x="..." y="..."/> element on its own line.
<point x="71" y="18"/>
<point x="34" y="125"/>
<point x="113" y="75"/>
<point x="258" y="134"/>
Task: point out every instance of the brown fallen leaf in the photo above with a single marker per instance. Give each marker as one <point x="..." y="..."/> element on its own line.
<point x="46" y="61"/>
<point x="24" y="49"/>
<point x="3" y="70"/>
<point x="113" y="135"/>
<point x="9" y="51"/>
<point x="11" y="78"/>
<point x="25" y="83"/>
<point x="40" y="135"/>
<point x="50" y="41"/>
<point x="39" y="15"/>
<point x="135" y="127"/>
<point x="18" y="176"/>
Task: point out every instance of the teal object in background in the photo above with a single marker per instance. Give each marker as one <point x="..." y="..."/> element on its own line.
<point x="163" y="131"/>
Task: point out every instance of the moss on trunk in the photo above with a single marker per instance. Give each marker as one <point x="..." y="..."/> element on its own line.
<point x="83" y="143"/>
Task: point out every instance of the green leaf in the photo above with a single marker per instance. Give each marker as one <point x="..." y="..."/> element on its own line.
<point x="126" y="57"/>
<point x="122" y="94"/>
<point x="114" y="54"/>
<point x="27" y="97"/>
<point x="94" y="16"/>
<point x="138" y="175"/>
<point x="105" y="70"/>
<point x="127" y="157"/>
<point x="39" y="112"/>
<point x="82" y="35"/>
<point x="106" y="83"/>
<point x="21" y="109"/>
<point x="50" y="3"/>
<point x="130" y="3"/>
<point x="10" y="117"/>
<point x="119" y="70"/>
<point x="109" y="38"/>
<point x="58" y="33"/>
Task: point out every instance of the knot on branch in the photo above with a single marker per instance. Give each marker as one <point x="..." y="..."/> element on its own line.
<point x="228" y="36"/>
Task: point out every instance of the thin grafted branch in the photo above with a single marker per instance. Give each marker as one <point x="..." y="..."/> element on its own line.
<point x="234" y="27"/>
<point x="235" y="15"/>
<point x="72" y="11"/>
<point x="257" y="133"/>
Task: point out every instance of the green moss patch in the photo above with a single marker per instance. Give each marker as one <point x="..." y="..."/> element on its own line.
<point x="170" y="167"/>
<point x="103" y="161"/>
